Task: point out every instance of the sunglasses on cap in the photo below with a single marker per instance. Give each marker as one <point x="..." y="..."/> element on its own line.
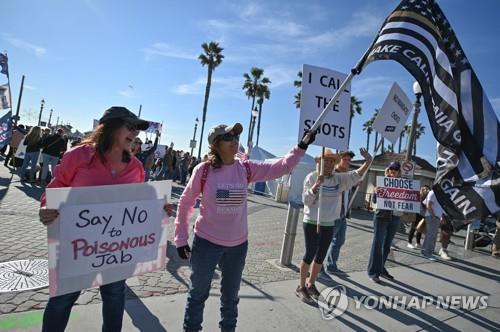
<point x="229" y="137"/>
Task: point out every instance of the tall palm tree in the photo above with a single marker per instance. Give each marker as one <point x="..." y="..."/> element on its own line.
<point x="355" y="109"/>
<point x="262" y="93"/>
<point x="367" y="126"/>
<point x="252" y="80"/>
<point x="419" y="131"/>
<point x="401" y="136"/>
<point x="212" y="58"/>
<point x="376" y="132"/>
<point x="298" y="84"/>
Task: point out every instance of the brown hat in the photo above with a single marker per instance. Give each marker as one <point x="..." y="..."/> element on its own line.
<point x="328" y="155"/>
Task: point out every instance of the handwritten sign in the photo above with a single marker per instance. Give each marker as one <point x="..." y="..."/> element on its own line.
<point x="318" y="87"/>
<point x="105" y="234"/>
<point x="398" y="194"/>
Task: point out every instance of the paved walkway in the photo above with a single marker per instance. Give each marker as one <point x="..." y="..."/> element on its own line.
<point x="22" y="236"/>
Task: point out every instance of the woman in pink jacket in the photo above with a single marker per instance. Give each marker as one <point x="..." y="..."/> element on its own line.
<point x="102" y="159"/>
<point x="221" y="230"/>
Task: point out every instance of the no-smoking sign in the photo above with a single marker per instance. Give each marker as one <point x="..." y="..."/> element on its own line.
<point x="408" y="169"/>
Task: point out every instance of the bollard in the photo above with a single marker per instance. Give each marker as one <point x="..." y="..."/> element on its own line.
<point x="290" y="232"/>
<point x="469" y="238"/>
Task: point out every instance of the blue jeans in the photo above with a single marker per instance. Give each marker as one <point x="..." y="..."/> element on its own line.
<point x="204" y="258"/>
<point x="384" y="230"/>
<point x="338" y="239"/>
<point x="58" y="309"/>
<point x="47" y="160"/>
<point x="30" y="159"/>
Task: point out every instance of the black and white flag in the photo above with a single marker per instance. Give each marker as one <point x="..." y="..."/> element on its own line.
<point x="418" y="36"/>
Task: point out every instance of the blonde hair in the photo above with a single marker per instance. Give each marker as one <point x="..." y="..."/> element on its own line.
<point x="386" y="172"/>
<point x="34" y="136"/>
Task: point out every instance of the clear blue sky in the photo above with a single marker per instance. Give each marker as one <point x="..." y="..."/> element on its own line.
<point x="83" y="56"/>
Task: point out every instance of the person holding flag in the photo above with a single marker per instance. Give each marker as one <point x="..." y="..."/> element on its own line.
<point x="221" y="230"/>
<point x="334" y="185"/>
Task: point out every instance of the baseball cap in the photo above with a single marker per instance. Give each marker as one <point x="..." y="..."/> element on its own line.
<point x="120" y="112"/>
<point x="223" y="129"/>
<point x="394" y="165"/>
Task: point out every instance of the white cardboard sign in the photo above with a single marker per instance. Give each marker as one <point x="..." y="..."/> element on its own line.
<point x="106" y="233"/>
<point x="398" y="194"/>
<point x="392" y="117"/>
<point x="318" y="87"/>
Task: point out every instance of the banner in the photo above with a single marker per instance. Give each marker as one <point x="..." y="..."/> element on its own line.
<point x="391" y="118"/>
<point x="398" y="194"/>
<point x="318" y="85"/>
<point x="153" y="127"/>
<point x="5" y="102"/>
<point x="106" y="233"/>
<point x="5" y="129"/>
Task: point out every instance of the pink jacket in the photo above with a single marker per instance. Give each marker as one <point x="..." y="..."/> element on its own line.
<point x="223" y="209"/>
<point x="81" y="167"/>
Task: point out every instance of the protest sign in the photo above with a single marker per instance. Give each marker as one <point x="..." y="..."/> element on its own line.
<point x="398" y="194"/>
<point x="392" y="117"/>
<point x="318" y="87"/>
<point x="153" y="127"/>
<point x="105" y="233"/>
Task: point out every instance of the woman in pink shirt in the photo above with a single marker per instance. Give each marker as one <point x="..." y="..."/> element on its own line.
<point x="102" y="159"/>
<point x="221" y="230"/>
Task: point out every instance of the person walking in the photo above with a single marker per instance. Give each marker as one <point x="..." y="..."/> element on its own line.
<point x="334" y="184"/>
<point x="53" y="148"/>
<point x="221" y="230"/>
<point x="340" y="224"/>
<point x="385" y="226"/>
<point x="147" y="157"/>
<point x="102" y="159"/>
<point x="17" y="136"/>
<point x="432" y="222"/>
<point x="414" y="232"/>
<point x="33" y="142"/>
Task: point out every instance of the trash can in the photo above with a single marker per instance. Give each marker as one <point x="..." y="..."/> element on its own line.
<point x="260" y="188"/>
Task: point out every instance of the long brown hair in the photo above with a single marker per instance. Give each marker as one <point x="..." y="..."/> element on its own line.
<point x="103" y="138"/>
<point x="34" y="136"/>
<point x="214" y="158"/>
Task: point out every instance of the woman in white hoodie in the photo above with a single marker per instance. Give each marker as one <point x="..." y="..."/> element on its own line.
<point x="317" y="242"/>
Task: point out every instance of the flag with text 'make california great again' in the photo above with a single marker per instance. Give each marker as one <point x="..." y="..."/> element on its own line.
<point x="418" y="36"/>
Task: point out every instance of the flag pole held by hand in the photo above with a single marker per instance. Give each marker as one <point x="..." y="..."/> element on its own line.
<point x="320" y="199"/>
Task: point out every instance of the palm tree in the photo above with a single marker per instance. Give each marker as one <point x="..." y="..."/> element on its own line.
<point x="355" y="109"/>
<point x="401" y="136"/>
<point x="262" y="93"/>
<point x="212" y="58"/>
<point x="298" y="84"/>
<point x="367" y="126"/>
<point x="419" y="131"/>
<point x="252" y="81"/>
<point x="376" y="132"/>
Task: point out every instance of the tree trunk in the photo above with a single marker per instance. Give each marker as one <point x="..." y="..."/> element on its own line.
<point x="250" y="127"/>
<point x="383" y="144"/>
<point x="376" y="141"/>
<point x="349" y="137"/>
<point x="205" y="104"/>
<point x="258" y="123"/>
<point x="368" y="141"/>
<point x="400" y="140"/>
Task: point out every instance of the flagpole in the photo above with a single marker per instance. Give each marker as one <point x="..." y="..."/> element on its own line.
<point x="320" y="199"/>
<point x="8" y="83"/>
<point x="18" y="106"/>
<point x="351" y="201"/>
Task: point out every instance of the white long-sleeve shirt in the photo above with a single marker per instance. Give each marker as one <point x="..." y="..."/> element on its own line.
<point x="333" y="187"/>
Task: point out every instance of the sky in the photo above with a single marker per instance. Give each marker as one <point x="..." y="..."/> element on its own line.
<point x="84" y="56"/>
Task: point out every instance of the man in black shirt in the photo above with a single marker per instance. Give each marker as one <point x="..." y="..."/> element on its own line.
<point x="53" y="148"/>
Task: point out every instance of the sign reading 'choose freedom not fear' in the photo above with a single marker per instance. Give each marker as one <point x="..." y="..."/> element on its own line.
<point x="318" y="87"/>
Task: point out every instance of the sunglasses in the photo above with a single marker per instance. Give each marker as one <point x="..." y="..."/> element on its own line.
<point x="130" y="126"/>
<point x="230" y="137"/>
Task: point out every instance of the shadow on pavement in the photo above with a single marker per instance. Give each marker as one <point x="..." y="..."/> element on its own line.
<point x="142" y="318"/>
<point x="33" y="191"/>
<point x="4" y="186"/>
<point x="174" y="262"/>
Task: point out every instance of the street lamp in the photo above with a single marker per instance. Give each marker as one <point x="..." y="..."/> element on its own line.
<point x="42" y="103"/>
<point x="193" y="142"/>
<point x="418" y="94"/>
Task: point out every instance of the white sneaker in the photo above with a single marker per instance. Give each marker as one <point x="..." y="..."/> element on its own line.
<point x="411" y="246"/>
<point x="444" y="255"/>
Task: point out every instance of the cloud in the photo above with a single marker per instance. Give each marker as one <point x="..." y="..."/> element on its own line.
<point x="229" y="86"/>
<point x="495" y="102"/>
<point x="128" y="93"/>
<point x="374" y="86"/>
<point x="29" y="87"/>
<point x="167" y="50"/>
<point x="27" y="46"/>
<point x="281" y="75"/>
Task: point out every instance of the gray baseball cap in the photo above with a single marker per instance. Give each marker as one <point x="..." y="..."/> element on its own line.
<point x="223" y="129"/>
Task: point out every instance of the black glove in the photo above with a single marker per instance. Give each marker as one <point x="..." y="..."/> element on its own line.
<point x="183" y="251"/>
<point x="307" y="139"/>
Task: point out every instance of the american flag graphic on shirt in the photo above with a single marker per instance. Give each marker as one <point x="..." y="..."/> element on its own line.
<point x="230" y="197"/>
